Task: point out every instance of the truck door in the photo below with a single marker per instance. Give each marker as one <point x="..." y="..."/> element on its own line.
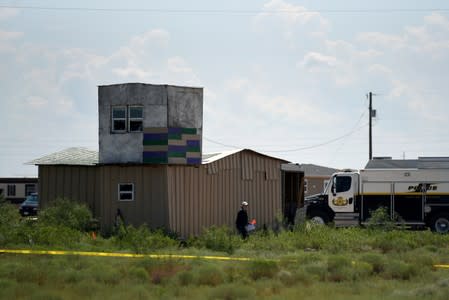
<point x="342" y="192"/>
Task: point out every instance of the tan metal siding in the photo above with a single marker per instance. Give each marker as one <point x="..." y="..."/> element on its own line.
<point x="149" y="204"/>
<point x="199" y="198"/>
<point x="73" y="182"/>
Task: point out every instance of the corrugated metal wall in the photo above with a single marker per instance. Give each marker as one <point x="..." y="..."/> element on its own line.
<point x="97" y="186"/>
<point x="78" y="183"/>
<point x="185" y="199"/>
<point x="211" y="194"/>
<point x="150" y="192"/>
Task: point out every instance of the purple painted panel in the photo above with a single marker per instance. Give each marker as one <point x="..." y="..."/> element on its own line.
<point x="177" y="148"/>
<point x="174" y="130"/>
<point x="193" y="161"/>
<point x="193" y="143"/>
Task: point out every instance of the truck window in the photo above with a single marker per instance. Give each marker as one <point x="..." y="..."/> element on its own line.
<point x="343" y="184"/>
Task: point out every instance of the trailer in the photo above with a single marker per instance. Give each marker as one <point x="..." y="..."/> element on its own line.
<point x="416" y="197"/>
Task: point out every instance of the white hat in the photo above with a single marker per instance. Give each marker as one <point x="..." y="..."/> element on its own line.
<point x="244" y="203"/>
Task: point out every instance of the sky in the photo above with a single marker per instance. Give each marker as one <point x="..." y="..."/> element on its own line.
<point x="285" y="78"/>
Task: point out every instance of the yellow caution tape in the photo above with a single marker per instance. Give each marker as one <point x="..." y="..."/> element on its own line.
<point x="441" y="266"/>
<point x="132" y="255"/>
<point x="116" y="254"/>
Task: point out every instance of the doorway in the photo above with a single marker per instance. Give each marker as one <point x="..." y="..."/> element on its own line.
<point x="292" y="191"/>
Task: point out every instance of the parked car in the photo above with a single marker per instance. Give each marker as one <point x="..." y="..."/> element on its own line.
<point x="30" y="206"/>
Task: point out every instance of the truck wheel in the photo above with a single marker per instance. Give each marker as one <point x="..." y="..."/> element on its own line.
<point x="318" y="217"/>
<point x="440" y="223"/>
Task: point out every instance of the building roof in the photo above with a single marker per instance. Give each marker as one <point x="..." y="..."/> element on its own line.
<point x="85" y="157"/>
<point x="18" y="180"/>
<point x="72" y="156"/>
<point x="311" y="170"/>
<point x="420" y="163"/>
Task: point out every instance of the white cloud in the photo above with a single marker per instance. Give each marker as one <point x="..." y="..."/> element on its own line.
<point x="381" y="39"/>
<point x="292" y="19"/>
<point x="316" y="62"/>
<point x="156" y="37"/>
<point x="380" y="69"/>
<point x="7" y="13"/>
<point x="36" y="101"/>
<point x="437" y="19"/>
<point x="236" y="84"/>
<point x="293" y="14"/>
<point x="10" y="35"/>
<point x="7" y="39"/>
<point x="132" y="72"/>
<point x="178" y="65"/>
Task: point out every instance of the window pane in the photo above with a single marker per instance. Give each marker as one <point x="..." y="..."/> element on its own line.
<point x="136" y="112"/>
<point x="11" y="190"/>
<point x="126" y="187"/>
<point x="119" y="125"/>
<point x="135" y="126"/>
<point x="343" y="184"/>
<point x="126" y="196"/>
<point x="119" y="112"/>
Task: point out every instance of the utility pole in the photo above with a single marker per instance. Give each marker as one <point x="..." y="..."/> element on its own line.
<point x="370" y="96"/>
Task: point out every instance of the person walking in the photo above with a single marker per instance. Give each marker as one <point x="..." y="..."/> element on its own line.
<point x="242" y="220"/>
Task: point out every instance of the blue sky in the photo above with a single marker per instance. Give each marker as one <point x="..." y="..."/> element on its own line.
<point x="286" y="78"/>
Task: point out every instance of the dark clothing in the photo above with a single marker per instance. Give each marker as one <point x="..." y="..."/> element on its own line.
<point x="241" y="222"/>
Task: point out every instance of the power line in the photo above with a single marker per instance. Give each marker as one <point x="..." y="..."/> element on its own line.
<point x="295" y="149"/>
<point x="229" y="11"/>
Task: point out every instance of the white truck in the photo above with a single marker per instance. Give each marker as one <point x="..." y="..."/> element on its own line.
<point x="419" y="196"/>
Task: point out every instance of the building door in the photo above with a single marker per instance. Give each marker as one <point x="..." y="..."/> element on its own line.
<point x="292" y="194"/>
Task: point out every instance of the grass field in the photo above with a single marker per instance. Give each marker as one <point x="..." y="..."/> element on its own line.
<point x="307" y="262"/>
<point x="318" y="263"/>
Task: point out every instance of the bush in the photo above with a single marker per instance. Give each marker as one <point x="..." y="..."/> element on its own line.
<point x="67" y="213"/>
<point x="142" y="239"/>
<point x="381" y="219"/>
<point x="262" y="269"/>
<point x="210" y="275"/>
<point x="377" y="262"/>
<point x="54" y="236"/>
<point x="218" y="239"/>
<point x="10" y="223"/>
<point x="232" y="291"/>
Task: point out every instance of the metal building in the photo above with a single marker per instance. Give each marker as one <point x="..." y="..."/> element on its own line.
<point x="183" y="198"/>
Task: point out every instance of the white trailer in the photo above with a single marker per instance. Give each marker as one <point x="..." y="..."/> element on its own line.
<point x="420" y="197"/>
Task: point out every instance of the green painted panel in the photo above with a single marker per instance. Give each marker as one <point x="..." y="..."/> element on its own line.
<point x="176" y="154"/>
<point x="193" y="149"/>
<point x="189" y="130"/>
<point x="155" y="142"/>
<point x="174" y="136"/>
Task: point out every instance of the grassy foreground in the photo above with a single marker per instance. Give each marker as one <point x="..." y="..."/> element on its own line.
<point x="309" y="262"/>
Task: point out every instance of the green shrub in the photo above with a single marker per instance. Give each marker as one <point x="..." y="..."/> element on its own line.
<point x="209" y="275"/>
<point x="377" y="262"/>
<point x="220" y="239"/>
<point x="185" y="278"/>
<point x="142" y="239"/>
<point x="232" y="291"/>
<point x="139" y="274"/>
<point x="67" y="213"/>
<point x="317" y="271"/>
<point x="399" y="270"/>
<point x="262" y="269"/>
<point x="235" y="273"/>
<point x="339" y="268"/>
<point x="10" y="223"/>
<point x="380" y="219"/>
<point x="54" y="236"/>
